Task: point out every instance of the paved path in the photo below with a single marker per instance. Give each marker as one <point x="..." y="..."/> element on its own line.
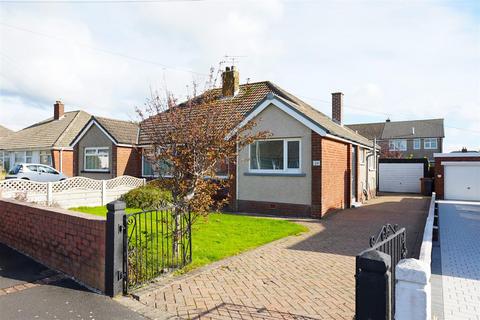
<point x="460" y="260"/>
<point x="310" y="276"/>
<point x="29" y="290"/>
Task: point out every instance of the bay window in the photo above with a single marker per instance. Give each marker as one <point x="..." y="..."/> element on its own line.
<point x="46" y="157"/>
<point x="19" y="157"/>
<point x="97" y="159"/>
<point x="276" y="155"/>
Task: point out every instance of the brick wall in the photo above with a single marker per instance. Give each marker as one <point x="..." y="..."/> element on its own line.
<point x="316" y="142"/>
<point x="335" y="177"/>
<point x="126" y="161"/>
<point x="67" y="166"/>
<point x="70" y="242"/>
<point x="439" y="177"/>
<point x="274" y="208"/>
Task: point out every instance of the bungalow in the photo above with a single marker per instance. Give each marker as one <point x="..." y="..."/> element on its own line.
<point x="46" y="142"/>
<point x="4" y="132"/>
<point x="310" y="165"/>
<point x="106" y="148"/>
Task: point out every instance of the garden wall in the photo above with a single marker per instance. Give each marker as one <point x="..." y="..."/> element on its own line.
<point x="70" y="242"/>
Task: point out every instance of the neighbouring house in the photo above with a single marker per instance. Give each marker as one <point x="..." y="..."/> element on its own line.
<point x="46" y="142"/>
<point x="311" y="164"/>
<point x="457" y="175"/>
<point x="4" y="132"/>
<point x="405" y="139"/>
<point x="106" y="148"/>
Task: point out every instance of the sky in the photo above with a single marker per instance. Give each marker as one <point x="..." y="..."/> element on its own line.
<point x="398" y="59"/>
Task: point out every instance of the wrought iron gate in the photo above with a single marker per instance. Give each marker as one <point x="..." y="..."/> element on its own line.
<point x="155" y="242"/>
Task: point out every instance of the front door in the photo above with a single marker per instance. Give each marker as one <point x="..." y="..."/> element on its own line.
<point x="354" y="175"/>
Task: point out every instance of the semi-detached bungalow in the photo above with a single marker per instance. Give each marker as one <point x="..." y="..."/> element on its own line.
<point x="310" y="165"/>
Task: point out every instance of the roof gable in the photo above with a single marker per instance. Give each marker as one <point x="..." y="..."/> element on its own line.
<point x="118" y="131"/>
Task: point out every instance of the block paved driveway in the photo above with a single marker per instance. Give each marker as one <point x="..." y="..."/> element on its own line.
<point x="310" y="276"/>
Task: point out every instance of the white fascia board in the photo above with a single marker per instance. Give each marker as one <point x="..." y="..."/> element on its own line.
<point x="461" y="163"/>
<point x="285" y="108"/>
<point x="94" y="122"/>
<point x="331" y="136"/>
<point x="457" y="155"/>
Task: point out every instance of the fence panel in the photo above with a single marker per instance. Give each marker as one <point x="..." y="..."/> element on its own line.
<point x="155" y="242"/>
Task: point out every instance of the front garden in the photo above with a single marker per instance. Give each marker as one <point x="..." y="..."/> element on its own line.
<point x="220" y="235"/>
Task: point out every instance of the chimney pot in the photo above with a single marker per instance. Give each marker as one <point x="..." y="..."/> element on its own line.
<point x="388" y="120"/>
<point x="58" y="110"/>
<point x="337" y="107"/>
<point x="230" y="82"/>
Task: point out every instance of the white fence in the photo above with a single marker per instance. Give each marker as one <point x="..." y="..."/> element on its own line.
<point x="72" y="192"/>
<point x="413" y="294"/>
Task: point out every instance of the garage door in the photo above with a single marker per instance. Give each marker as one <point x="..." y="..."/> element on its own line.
<point x="400" y="177"/>
<point x="462" y="181"/>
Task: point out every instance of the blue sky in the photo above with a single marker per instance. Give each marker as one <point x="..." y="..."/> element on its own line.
<point x="398" y="59"/>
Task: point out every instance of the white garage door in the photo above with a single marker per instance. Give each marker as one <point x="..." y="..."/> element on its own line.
<point x="400" y="177"/>
<point x="462" y="181"/>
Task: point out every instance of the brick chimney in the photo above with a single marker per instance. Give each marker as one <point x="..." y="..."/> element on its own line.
<point x="337" y="107"/>
<point x="230" y="82"/>
<point x="58" y="110"/>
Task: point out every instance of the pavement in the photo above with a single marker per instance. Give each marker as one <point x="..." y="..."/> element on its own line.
<point x="457" y="262"/>
<point x="29" y="290"/>
<point x="310" y="276"/>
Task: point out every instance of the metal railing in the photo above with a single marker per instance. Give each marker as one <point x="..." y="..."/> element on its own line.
<point x="375" y="274"/>
<point x="155" y="242"/>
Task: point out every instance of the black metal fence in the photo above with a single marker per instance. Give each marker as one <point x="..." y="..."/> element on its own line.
<point x="375" y="274"/>
<point x="155" y="242"/>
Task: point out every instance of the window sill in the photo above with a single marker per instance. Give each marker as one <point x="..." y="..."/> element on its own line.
<point x="274" y="174"/>
<point x="94" y="171"/>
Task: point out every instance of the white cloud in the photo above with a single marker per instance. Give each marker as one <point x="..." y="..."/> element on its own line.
<point x="402" y="59"/>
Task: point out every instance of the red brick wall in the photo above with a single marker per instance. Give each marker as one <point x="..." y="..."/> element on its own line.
<point x="273" y="208"/>
<point x="70" y="242"/>
<point x="316" y="142"/>
<point x="335" y="178"/>
<point x="126" y="161"/>
<point x="67" y="161"/>
<point x="439" y="177"/>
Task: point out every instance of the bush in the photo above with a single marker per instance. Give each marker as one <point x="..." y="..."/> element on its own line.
<point x="147" y="197"/>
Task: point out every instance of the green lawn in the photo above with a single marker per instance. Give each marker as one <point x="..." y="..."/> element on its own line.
<point x="222" y="235"/>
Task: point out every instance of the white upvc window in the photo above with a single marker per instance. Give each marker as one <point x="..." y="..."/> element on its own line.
<point x="275" y="156"/>
<point x="97" y="159"/>
<point x="19" y="157"/>
<point x="28" y="156"/>
<point x="46" y="157"/>
<point x="430" y="143"/>
<point x="398" y="145"/>
<point x="417" y="144"/>
<point x="362" y="156"/>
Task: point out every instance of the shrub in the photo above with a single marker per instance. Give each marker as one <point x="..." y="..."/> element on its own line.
<point x="147" y="197"/>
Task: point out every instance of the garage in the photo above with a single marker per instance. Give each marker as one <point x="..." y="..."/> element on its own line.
<point x="401" y="175"/>
<point x="462" y="181"/>
<point x="457" y="176"/>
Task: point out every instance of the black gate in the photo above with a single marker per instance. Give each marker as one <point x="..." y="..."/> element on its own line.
<point x="155" y="242"/>
<point x="372" y="281"/>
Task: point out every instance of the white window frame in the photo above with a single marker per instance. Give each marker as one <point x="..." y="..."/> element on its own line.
<point x="97" y="149"/>
<point x="45" y="153"/>
<point x="417" y="144"/>
<point x="428" y="142"/>
<point x="285" y="157"/>
<point x="362" y="156"/>
<point x="395" y="146"/>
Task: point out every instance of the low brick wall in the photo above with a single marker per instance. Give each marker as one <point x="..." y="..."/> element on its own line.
<point x="70" y="242"/>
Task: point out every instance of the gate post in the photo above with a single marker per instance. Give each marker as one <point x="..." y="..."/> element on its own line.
<point x="373" y="286"/>
<point x="114" y="248"/>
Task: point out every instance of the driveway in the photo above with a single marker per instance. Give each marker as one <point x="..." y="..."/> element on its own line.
<point x="310" y="276"/>
<point x="456" y="265"/>
<point x="29" y="290"/>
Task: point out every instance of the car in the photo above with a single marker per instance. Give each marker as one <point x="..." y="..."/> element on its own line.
<point x="35" y="172"/>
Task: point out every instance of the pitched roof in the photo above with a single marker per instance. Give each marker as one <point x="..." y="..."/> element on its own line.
<point x="4" y="131"/>
<point x="401" y="129"/>
<point x="49" y="133"/>
<point x="368" y="130"/>
<point x="249" y="97"/>
<point x="123" y="132"/>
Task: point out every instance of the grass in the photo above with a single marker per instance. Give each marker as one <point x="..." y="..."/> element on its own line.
<point x="221" y="235"/>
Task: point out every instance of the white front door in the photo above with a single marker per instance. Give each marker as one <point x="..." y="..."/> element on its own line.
<point x="462" y="182"/>
<point x="400" y="177"/>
